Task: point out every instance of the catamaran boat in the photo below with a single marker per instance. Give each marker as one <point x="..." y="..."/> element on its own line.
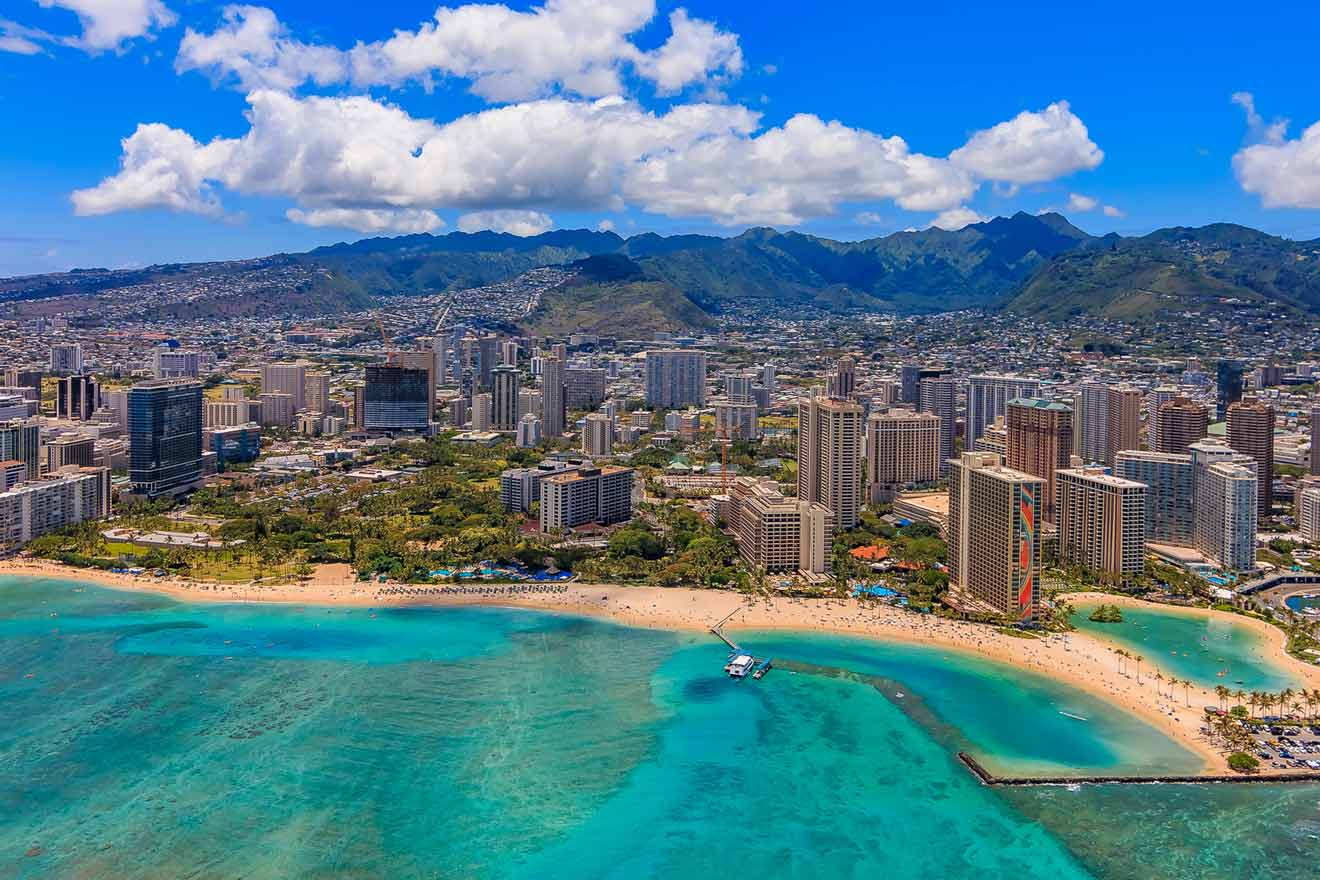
<point x="740" y="665"/>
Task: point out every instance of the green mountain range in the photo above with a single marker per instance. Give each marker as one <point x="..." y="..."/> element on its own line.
<point x="1036" y="265"/>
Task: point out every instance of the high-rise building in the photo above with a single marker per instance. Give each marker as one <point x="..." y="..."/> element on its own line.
<point x="738" y="386"/>
<point x="910" y="376"/>
<point x="597" y="435"/>
<point x="1182" y="421"/>
<point x="488" y="354"/>
<point x="20" y="440"/>
<point x="554" y="401"/>
<point x="1308" y="512"/>
<point x="1226" y="503"/>
<point x="1170" y="493"/>
<point x="1315" y="439"/>
<point x="419" y="360"/>
<point x="17" y="377"/>
<point x="233" y="444"/>
<point x="841" y="383"/>
<point x="675" y="378"/>
<point x="174" y="363"/>
<point x="520" y="488"/>
<point x="1228" y="387"/>
<point x="938" y="394"/>
<point x="736" y="421"/>
<point x="529" y="431"/>
<point x="66" y="359"/>
<point x="830" y="456"/>
<point x="902" y="449"/>
<point x="33" y="509"/>
<point x="775" y="533"/>
<point x="396" y="399"/>
<point x="988" y="396"/>
<point x="77" y="397"/>
<point x="1123" y="428"/>
<point x="286" y="378"/>
<point x="165" y="436"/>
<point x="1251" y="432"/>
<point x="316" y="392"/>
<point x="584" y="387"/>
<point x="509" y="353"/>
<point x="1091" y="422"/>
<point x="482" y="411"/>
<point x="504" y="398"/>
<point x="994" y="537"/>
<point x="224" y="413"/>
<point x="586" y="495"/>
<point x="1039" y="442"/>
<point x="12" y="472"/>
<point x="277" y="409"/>
<point x="1102" y="523"/>
<point x="76" y="450"/>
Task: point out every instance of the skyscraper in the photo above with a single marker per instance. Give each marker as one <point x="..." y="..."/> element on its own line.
<point x="994" y="537"/>
<point x="21" y="441"/>
<point x="77" y="397"/>
<point x="1039" y="443"/>
<point x="1251" y="432"/>
<point x="1228" y="387"/>
<point x="488" y="353"/>
<point x="504" y="394"/>
<point x="164" y="436"/>
<point x="936" y="394"/>
<point x="1091" y="422"/>
<point x="1226" y="501"/>
<point x="988" y="396"/>
<point x="902" y="449"/>
<point x="66" y="358"/>
<point x="286" y="378"/>
<point x="1102" y="522"/>
<point x="1182" y="421"/>
<point x="675" y="378"/>
<point x="830" y="456"/>
<point x="1123" y="428"/>
<point x="553" y="402"/>
<point x="316" y="395"/>
<point x="396" y="399"/>
<point x="597" y="435"/>
<point x="1170" y="493"/>
<point x="1315" y="439"/>
<point x="482" y="407"/>
<point x="736" y="421"/>
<point x="841" y="383"/>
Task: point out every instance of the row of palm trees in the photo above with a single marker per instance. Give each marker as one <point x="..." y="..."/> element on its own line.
<point x="1287" y="700"/>
<point x="1160" y="678"/>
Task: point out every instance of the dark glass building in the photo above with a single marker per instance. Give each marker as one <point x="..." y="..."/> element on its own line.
<point x="396" y="398"/>
<point x="165" y="436"/>
<point x="1230" y="387"/>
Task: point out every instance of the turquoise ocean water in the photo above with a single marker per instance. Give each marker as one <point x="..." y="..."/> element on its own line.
<point x="147" y="738"/>
<point x="1192" y="646"/>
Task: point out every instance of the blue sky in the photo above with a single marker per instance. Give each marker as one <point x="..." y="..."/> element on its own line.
<point x="272" y="132"/>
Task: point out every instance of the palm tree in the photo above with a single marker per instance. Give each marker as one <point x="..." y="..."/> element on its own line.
<point x="1187" y="692"/>
<point x="1285" y="696"/>
<point x="1139" y="658"/>
<point x="1159" y="679"/>
<point x="1222" y="693"/>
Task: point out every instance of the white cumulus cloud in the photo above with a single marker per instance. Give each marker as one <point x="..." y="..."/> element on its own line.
<point x="257" y="50"/>
<point x="956" y="218"/>
<point x="513" y="221"/>
<point x="1111" y="211"/>
<point x="1284" y="172"/>
<point x="108" y="24"/>
<point x="1080" y="203"/>
<point x="579" y="47"/>
<point x="1032" y="147"/>
<point x="369" y="220"/>
<point x="356" y="154"/>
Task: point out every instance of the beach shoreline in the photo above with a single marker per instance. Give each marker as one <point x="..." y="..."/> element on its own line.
<point x="1080" y="660"/>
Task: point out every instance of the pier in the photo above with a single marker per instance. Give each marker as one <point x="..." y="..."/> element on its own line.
<point x="990" y="779"/>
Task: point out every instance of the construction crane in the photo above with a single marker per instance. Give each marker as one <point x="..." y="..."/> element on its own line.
<point x="385" y="341"/>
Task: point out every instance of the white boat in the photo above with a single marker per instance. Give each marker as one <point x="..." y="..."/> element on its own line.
<point x="740" y="665"/>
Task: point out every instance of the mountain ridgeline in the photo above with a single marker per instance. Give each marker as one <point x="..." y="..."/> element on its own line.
<point x="1033" y="265"/>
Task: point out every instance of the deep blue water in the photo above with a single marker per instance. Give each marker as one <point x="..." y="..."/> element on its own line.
<point x="147" y="738"/>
